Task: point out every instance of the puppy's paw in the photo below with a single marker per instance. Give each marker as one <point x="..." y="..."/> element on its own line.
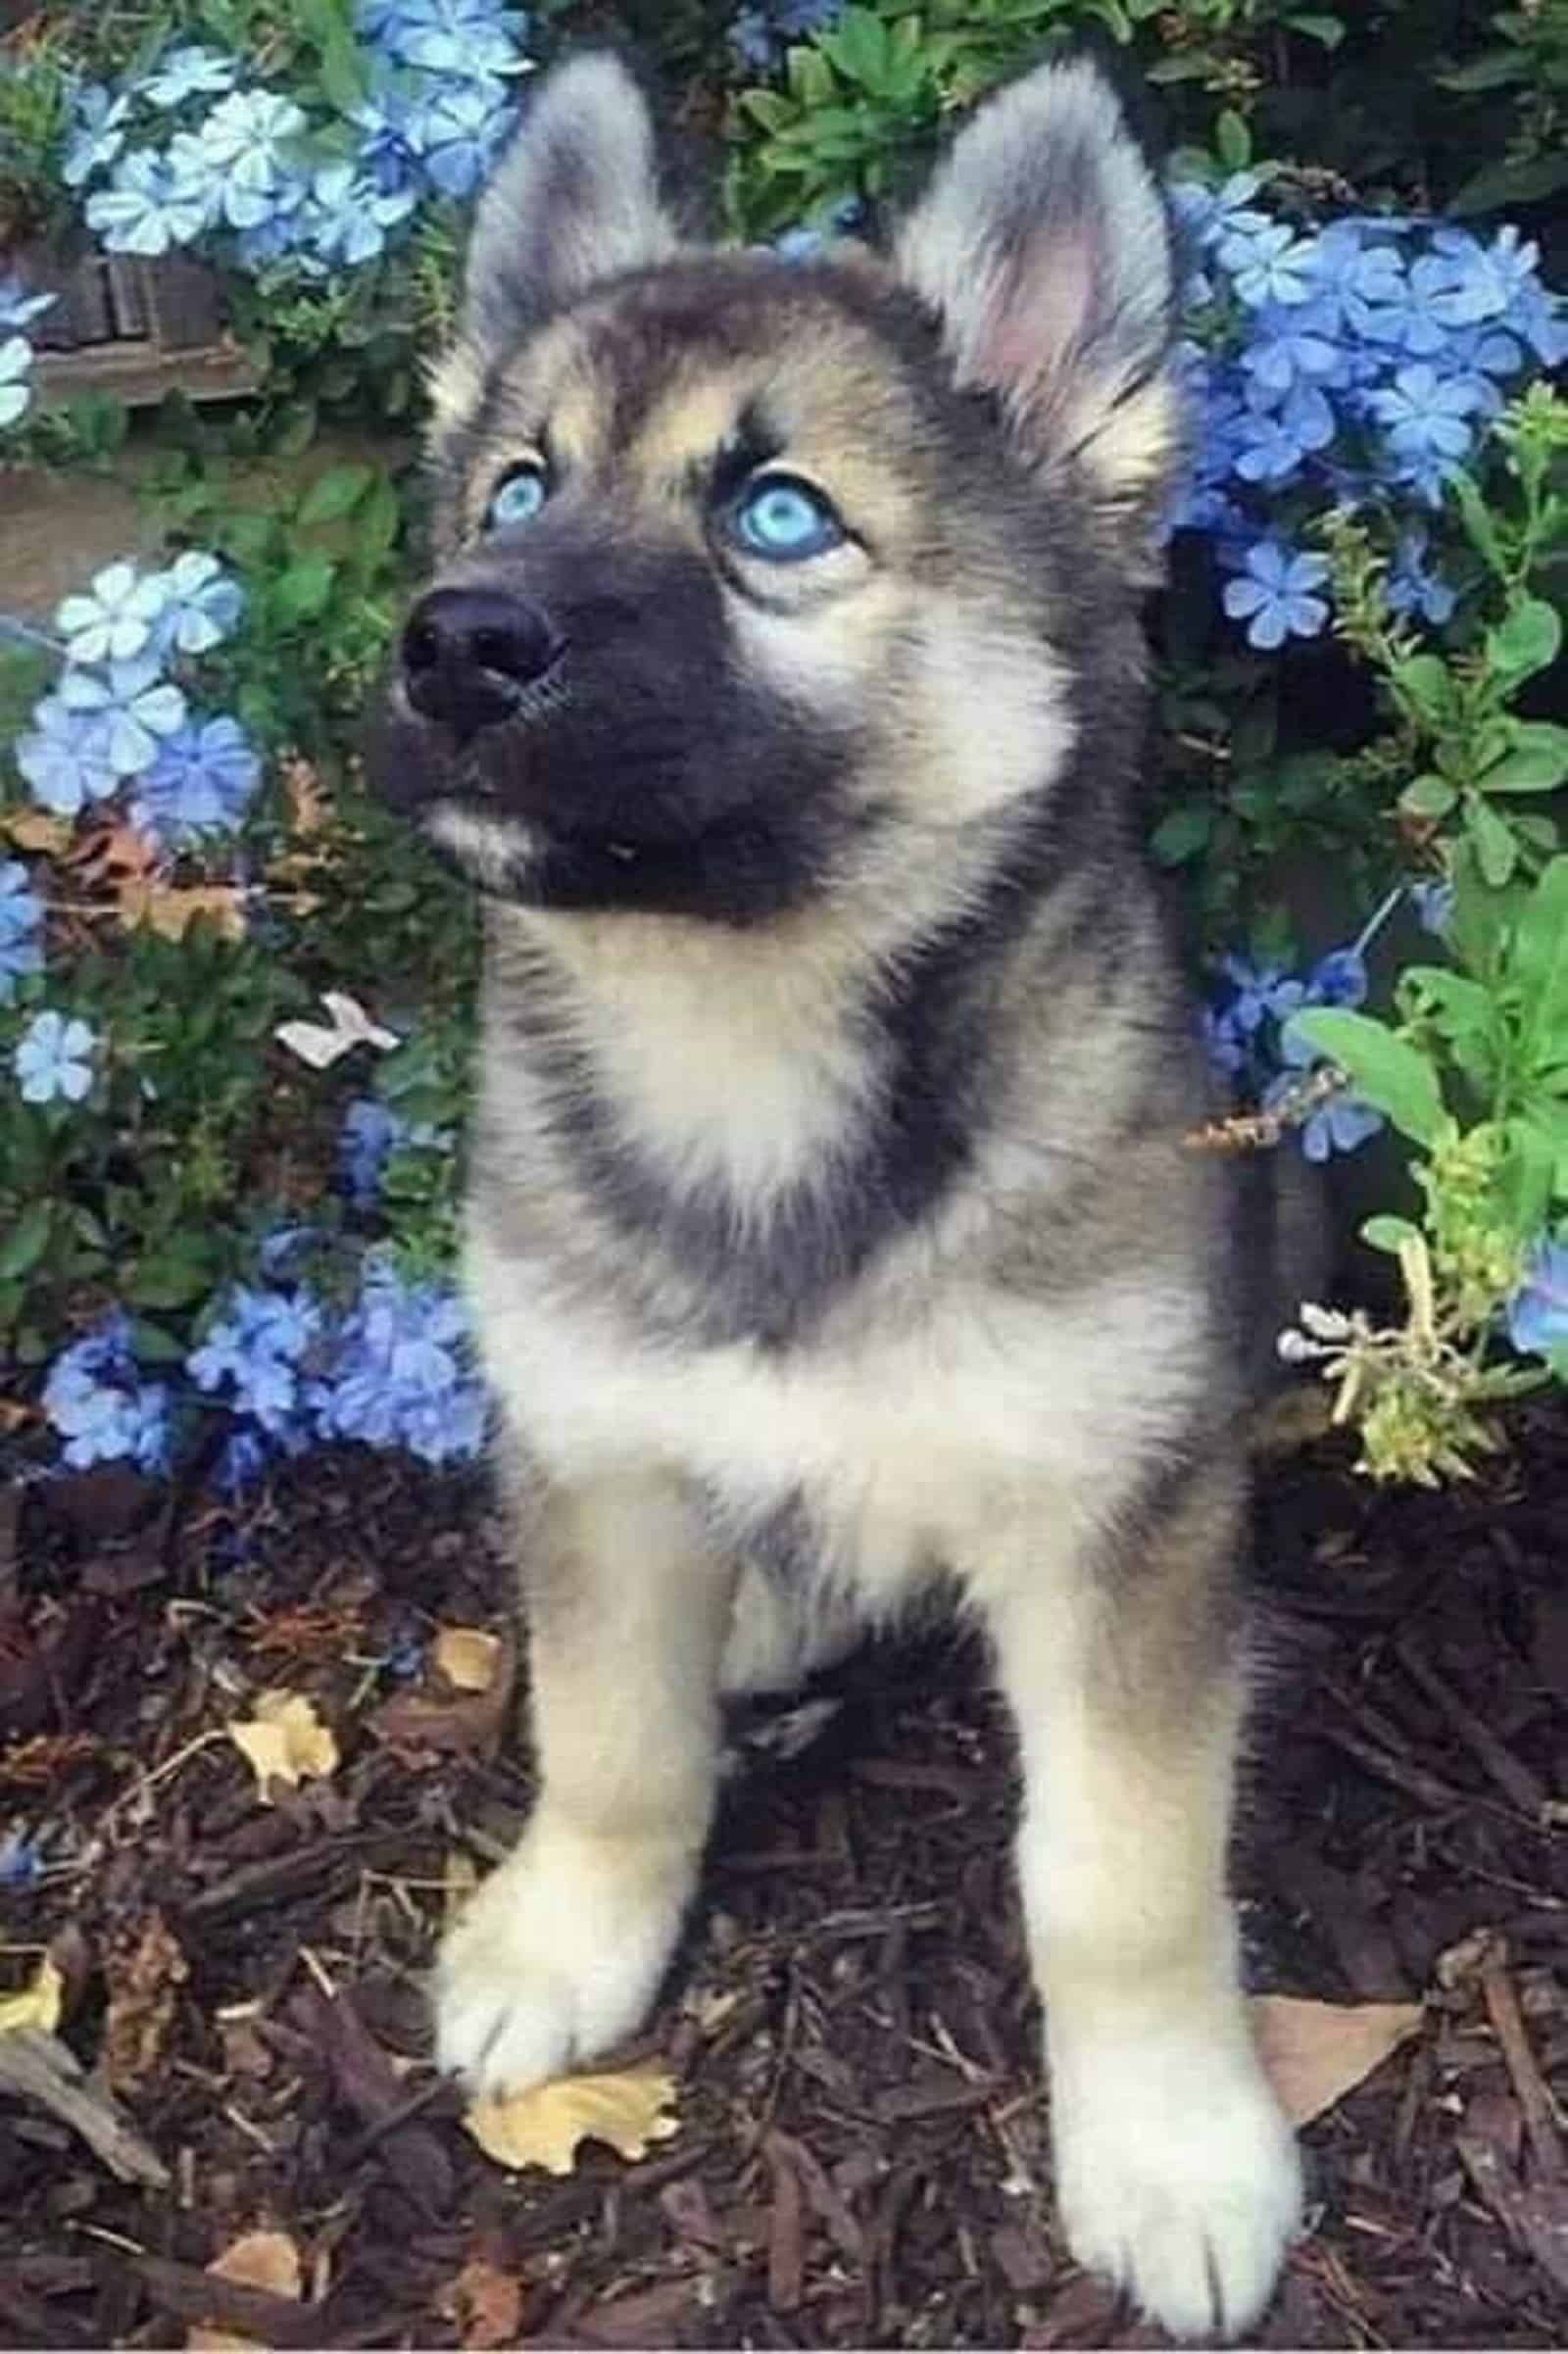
<point x="1177" y="2176"/>
<point x="558" y="1956"/>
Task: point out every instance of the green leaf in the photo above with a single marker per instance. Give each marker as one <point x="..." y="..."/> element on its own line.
<point x="1425" y="683"/>
<point x="1390" y="1234"/>
<point x="1327" y="30"/>
<point x="1510" y="183"/>
<point x="1496" y="850"/>
<point x="1538" y="957"/>
<point x="1527" y="641"/>
<point x="1394" y="1076"/>
<point x="1536" y="761"/>
<point x="858" y="46"/>
<point x="1491" y="71"/>
<point x="301" y="591"/>
<point x="151" y="1344"/>
<point x="1477" y="521"/>
<point x="171" y="1278"/>
<point x="1428" y="796"/>
<point x="1232" y="140"/>
<point x="335" y="494"/>
<point x="1182" y="834"/>
<point x="28" y="1241"/>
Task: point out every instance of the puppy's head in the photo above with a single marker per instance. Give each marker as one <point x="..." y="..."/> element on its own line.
<point x="746" y="567"/>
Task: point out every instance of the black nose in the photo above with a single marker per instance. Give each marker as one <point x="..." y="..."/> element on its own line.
<point x="468" y="653"/>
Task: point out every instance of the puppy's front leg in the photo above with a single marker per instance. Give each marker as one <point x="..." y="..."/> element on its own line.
<point x="1176" y="2173"/>
<point x="561" y="1951"/>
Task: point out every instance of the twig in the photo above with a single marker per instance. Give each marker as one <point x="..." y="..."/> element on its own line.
<point x="38" y="2067"/>
<point x="1529" y="2085"/>
<point x="1514" y="1778"/>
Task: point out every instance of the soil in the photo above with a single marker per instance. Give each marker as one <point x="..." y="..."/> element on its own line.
<point x="861" y="2152"/>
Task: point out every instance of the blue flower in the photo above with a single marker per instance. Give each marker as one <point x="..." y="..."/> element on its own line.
<point x="1271" y="265"/>
<point x="348" y="216"/>
<point x="455" y="135"/>
<point x="1484" y="281"/>
<point x="400" y="1375"/>
<point x="106" y="1414"/>
<point x="1341" y="1124"/>
<point x="1338" y="979"/>
<point x="20" y="305"/>
<point x="242" y="1458"/>
<point x="134" y="704"/>
<point x="201" y="604"/>
<point x="370" y="1133"/>
<point x="51" y="1059"/>
<point x="149" y="206"/>
<point x="16" y="393"/>
<point x="112" y="620"/>
<point x="199" y="783"/>
<point x="256" y="1347"/>
<point x="1291" y="347"/>
<point x="386" y="152"/>
<point x="465" y="39"/>
<point x="188" y="71"/>
<point x="1272" y="447"/>
<point x="1426" y="415"/>
<point x="1410" y="587"/>
<point x="97" y="135"/>
<point x="20" y="915"/>
<point x="759" y="34"/>
<point x="66" y="758"/>
<point x="1538" y="1313"/>
<point x="1273" y="597"/>
<point x="243" y="145"/>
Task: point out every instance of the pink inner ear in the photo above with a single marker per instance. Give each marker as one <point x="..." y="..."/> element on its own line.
<point x="1037" y="314"/>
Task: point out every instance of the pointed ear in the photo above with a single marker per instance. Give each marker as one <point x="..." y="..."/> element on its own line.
<point x="1044" y="245"/>
<point x="574" y="199"/>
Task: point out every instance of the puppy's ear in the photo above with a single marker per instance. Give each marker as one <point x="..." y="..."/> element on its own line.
<point x="1043" y="246"/>
<point x="574" y="199"/>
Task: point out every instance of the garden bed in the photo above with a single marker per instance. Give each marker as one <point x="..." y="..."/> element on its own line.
<point x="859" y="2155"/>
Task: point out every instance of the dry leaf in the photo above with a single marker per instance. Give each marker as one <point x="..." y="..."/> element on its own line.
<point x="144" y="1978"/>
<point x="467" y="1657"/>
<point x="259" y="2260"/>
<point x="1315" y="2053"/>
<point x="543" y="2126"/>
<point x="112" y="850"/>
<point x="314" y="1043"/>
<point x="308" y="803"/>
<point x="484" y="2302"/>
<point x="37" y="2005"/>
<point x="35" y="829"/>
<point x="286" y="1737"/>
<point x="170" y="909"/>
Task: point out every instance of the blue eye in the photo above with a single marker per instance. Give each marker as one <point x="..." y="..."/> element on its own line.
<point x="517" y="499"/>
<point x="784" y="520"/>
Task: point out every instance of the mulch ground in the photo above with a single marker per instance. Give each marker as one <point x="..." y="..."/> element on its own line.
<point x="861" y="2155"/>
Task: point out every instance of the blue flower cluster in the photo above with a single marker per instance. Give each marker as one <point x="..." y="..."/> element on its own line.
<point x="102" y="1409"/>
<point x="392" y="1371"/>
<point x="1253" y="1045"/>
<point x="18" y="307"/>
<point x="761" y="33"/>
<point x="190" y="151"/>
<point x="1538" y="1313"/>
<point x="1355" y="364"/>
<point x="115" y="718"/>
<point x="370" y="1133"/>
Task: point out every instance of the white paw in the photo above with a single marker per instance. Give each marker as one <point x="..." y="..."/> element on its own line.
<point x="1177" y="2176"/>
<point x="558" y="1956"/>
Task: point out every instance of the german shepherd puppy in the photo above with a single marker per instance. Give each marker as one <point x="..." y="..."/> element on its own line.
<point x="831" y="1229"/>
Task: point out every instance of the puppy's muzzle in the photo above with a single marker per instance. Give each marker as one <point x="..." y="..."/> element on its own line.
<point x="470" y="655"/>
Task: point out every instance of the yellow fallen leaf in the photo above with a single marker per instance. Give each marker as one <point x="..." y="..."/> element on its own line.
<point x="35" y="829"/>
<point x="467" y="1657"/>
<point x="37" y="2005"/>
<point x="1315" y="2053"/>
<point x="459" y="1877"/>
<point x="172" y="909"/>
<point x="485" y="2303"/>
<point x="285" y="1738"/>
<point x="259" y="2260"/>
<point x="543" y="2126"/>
